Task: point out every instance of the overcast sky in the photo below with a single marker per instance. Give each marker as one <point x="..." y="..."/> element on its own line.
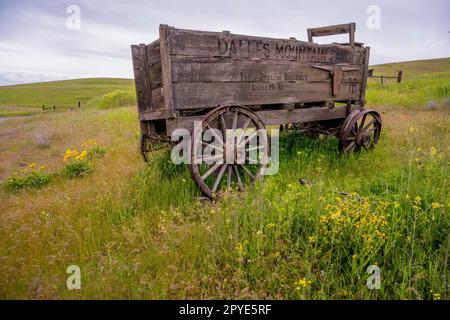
<point x="37" y="45"/>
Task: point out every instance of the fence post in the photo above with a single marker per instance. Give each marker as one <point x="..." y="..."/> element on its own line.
<point x="399" y="76"/>
<point x="79" y="104"/>
<point x="381" y="80"/>
<point x="54" y="107"/>
<point x="43" y="107"/>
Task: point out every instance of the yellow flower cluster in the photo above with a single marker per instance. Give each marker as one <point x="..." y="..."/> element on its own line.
<point x="70" y="154"/>
<point x="89" y="143"/>
<point x="302" y="283"/>
<point x="75" y="155"/>
<point x="32" y="167"/>
<point x="436" y="205"/>
<point x="357" y="216"/>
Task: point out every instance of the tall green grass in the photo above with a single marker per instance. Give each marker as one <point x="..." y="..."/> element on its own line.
<point x="431" y="90"/>
<point x="117" y="98"/>
<point x="152" y="237"/>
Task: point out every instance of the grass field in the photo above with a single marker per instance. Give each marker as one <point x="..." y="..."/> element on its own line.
<point x="425" y="83"/>
<point x="62" y="94"/>
<point x="136" y="232"/>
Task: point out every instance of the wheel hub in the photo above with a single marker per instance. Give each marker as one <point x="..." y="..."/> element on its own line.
<point x="362" y="138"/>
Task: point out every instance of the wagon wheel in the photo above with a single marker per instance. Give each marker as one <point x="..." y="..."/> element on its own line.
<point x="361" y="130"/>
<point x="235" y="152"/>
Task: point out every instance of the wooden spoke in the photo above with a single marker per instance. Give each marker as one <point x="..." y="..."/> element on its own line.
<point x="247" y="122"/>
<point x="363" y="121"/>
<point x="371" y="130"/>
<point x="224" y="127"/>
<point x="235" y="119"/>
<point x="212" y="145"/>
<point x="211" y="170"/>
<point x="350" y="146"/>
<point x="210" y="159"/>
<point x="219" y="177"/>
<point x="241" y="186"/>
<point x="229" y="175"/>
<point x="368" y="126"/>
<point x="214" y="133"/>
<point x="250" y="138"/>
<point x="247" y="171"/>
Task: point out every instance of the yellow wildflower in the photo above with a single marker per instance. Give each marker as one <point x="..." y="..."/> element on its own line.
<point x="417" y="200"/>
<point x="81" y="156"/>
<point x="433" y="151"/>
<point x="89" y="143"/>
<point x="302" y="283"/>
<point x="436" y="205"/>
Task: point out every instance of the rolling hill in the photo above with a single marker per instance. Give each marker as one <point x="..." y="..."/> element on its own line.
<point x="65" y="93"/>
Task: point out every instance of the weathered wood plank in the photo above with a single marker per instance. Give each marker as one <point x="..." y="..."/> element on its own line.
<point x="145" y="71"/>
<point x="156" y="75"/>
<point x="332" y="30"/>
<point x="166" y="66"/>
<point x="158" y="99"/>
<point x="273" y="117"/>
<point x="154" y="115"/>
<point x="364" y="77"/>
<point x="208" y="44"/>
<point x="153" y="52"/>
<point x="143" y="92"/>
<point x="219" y="69"/>
<point x="192" y="95"/>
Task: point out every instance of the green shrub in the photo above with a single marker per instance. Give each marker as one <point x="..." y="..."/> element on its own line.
<point x="96" y="152"/>
<point x="27" y="179"/>
<point x="117" y="98"/>
<point x="77" y="168"/>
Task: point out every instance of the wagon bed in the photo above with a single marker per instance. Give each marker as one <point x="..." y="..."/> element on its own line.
<point x="186" y="74"/>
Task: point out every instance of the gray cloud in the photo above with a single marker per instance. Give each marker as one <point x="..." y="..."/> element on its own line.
<point x="35" y="44"/>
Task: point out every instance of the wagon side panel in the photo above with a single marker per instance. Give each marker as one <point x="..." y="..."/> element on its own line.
<point x="211" y="69"/>
<point x="143" y="92"/>
<point x="155" y="72"/>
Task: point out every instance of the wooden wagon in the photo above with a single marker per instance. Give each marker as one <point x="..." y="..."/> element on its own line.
<point x="235" y="83"/>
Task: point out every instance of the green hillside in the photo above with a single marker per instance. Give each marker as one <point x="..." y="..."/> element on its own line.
<point x="64" y="94"/>
<point x="415" y="69"/>
<point x="425" y="83"/>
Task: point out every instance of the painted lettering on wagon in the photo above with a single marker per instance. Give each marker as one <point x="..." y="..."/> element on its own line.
<point x="266" y="77"/>
<point x="288" y="50"/>
<point x="252" y="87"/>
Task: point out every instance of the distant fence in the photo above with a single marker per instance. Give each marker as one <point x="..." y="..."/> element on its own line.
<point x="383" y="77"/>
<point x="54" y="107"/>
